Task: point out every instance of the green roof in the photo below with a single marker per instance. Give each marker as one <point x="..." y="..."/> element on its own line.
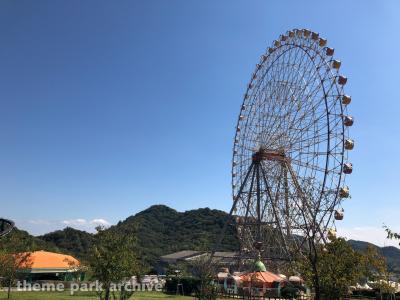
<point x="259" y="266"/>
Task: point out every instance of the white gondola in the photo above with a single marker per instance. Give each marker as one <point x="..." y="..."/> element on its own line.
<point x="339" y="215"/>
<point x="331" y="234"/>
<point x="348" y="121"/>
<point x="241" y="117"/>
<point x="346" y="99"/>
<point x="329" y="51"/>
<point x="314" y="36"/>
<point x="349" y="144"/>
<point x="348" y="168"/>
<point x="336" y="64"/>
<point x="322" y="42"/>
<point x="342" y="80"/>
<point x="344" y="192"/>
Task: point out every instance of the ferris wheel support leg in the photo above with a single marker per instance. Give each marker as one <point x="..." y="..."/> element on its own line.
<point x="249" y="195"/>
<point x="258" y="165"/>
<point x="273" y="204"/>
<point x="286" y="185"/>
<point x="217" y="245"/>
<point x="311" y="221"/>
<point x="300" y="192"/>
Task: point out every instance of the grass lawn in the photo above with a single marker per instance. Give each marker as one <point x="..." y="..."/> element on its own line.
<point x="86" y="296"/>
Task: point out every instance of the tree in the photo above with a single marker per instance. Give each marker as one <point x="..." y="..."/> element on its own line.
<point x="373" y="264"/>
<point x="113" y="261"/>
<point x="337" y="268"/>
<point x="14" y="259"/>
<point x="374" y="268"/>
<point x="204" y="270"/>
<point x="391" y="234"/>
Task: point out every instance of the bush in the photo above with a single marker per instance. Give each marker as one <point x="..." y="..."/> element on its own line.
<point x="189" y="284"/>
<point x="208" y="292"/>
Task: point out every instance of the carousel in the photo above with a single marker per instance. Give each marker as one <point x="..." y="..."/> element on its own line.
<point x="258" y="282"/>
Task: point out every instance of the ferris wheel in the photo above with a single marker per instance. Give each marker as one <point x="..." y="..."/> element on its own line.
<point x="6" y="226"/>
<point x="290" y="148"/>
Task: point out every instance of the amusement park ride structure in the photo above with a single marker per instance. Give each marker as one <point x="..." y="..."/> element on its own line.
<point x="5" y="226"/>
<point x="290" y="150"/>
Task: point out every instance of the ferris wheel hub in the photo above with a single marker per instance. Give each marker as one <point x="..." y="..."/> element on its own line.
<point x="268" y="154"/>
<point x="258" y="245"/>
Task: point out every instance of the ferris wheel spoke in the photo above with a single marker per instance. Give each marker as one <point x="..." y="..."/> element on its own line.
<point x="307" y="165"/>
<point x="271" y="106"/>
<point x="317" y="118"/>
<point x="315" y="90"/>
<point x="303" y="89"/>
<point x="291" y="74"/>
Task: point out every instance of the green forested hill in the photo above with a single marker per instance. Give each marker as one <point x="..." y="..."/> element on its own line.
<point x="72" y="241"/>
<point x="25" y="242"/>
<point x="159" y="230"/>
<point x="162" y="230"/>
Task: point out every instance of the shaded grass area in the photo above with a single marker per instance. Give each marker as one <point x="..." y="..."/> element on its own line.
<point x="86" y="296"/>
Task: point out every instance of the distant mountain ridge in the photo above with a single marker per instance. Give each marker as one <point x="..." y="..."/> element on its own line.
<point x="161" y="230"/>
<point x="391" y="254"/>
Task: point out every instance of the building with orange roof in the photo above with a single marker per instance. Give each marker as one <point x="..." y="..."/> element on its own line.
<point x="44" y="265"/>
<point x="261" y="279"/>
<point x="261" y="283"/>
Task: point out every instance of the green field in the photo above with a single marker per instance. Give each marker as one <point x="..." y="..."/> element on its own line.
<point x="86" y="296"/>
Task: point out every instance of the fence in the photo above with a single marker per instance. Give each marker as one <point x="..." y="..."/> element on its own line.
<point x="256" y="294"/>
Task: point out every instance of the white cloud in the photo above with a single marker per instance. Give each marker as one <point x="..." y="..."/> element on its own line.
<point x="374" y="235"/>
<point x="39" y="222"/>
<point x="42" y="226"/>
<point x="87" y="225"/>
<point x="101" y="222"/>
<point x="75" y="222"/>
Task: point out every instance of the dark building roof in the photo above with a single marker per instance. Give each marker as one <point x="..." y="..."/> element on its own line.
<point x="181" y="255"/>
<point x="190" y="254"/>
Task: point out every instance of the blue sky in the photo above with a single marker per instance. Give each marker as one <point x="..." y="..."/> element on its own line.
<point x="108" y="108"/>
